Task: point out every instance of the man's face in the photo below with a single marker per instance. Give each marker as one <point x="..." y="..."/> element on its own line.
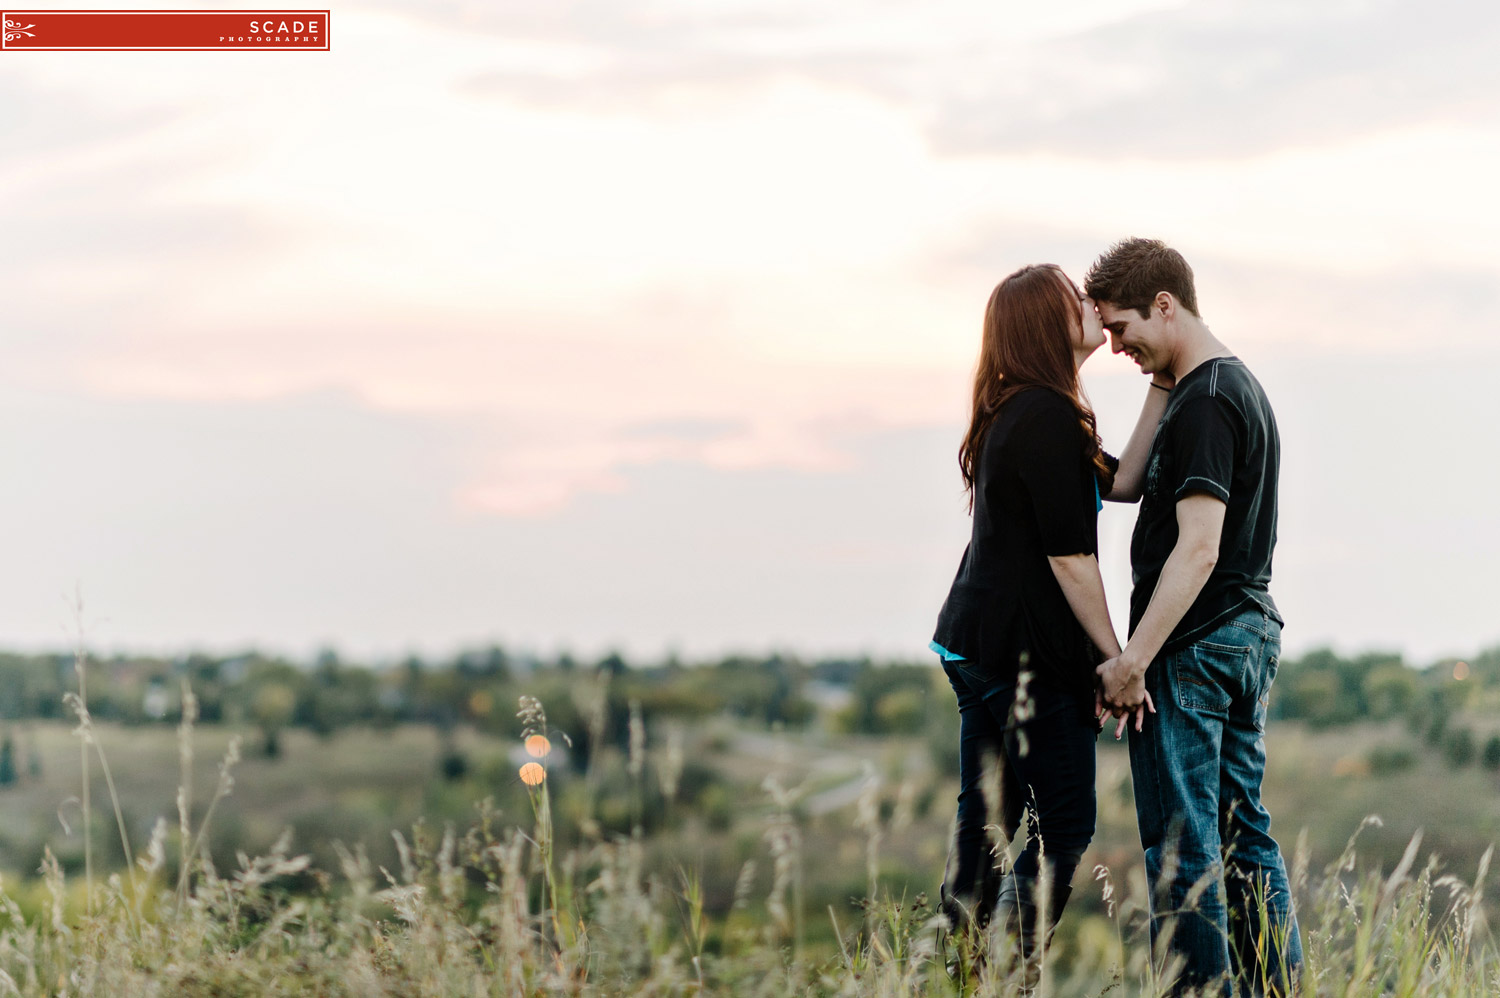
<point x="1142" y="340"/>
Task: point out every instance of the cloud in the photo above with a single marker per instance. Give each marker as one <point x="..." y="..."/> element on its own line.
<point x="313" y="519"/>
<point x="81" y="235"/>
<point x="1233" y="79"/>
<point x="1421" y="311"/>
<point x="50" y="121"/>
<point x="685" y="430"/>
<point x="552" y="405"/>
<point x="1412" y="307"/>
<point x="224" y="522"/>
<point x="1211" y="79"/>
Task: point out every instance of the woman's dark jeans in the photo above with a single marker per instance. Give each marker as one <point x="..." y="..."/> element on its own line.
<point x="1044" y="748"/>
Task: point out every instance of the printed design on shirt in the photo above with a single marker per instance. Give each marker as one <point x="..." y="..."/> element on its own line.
<point x="1153" y="474"/>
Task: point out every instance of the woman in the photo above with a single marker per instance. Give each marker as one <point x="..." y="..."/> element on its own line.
<point x="1025" y="623"/>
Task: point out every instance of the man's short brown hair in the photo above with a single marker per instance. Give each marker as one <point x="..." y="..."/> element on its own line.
<point x="1132" y="271"/>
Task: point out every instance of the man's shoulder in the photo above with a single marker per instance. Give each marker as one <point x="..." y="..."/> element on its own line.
<point x="1232" y="378"/>
<point x="1225" y="382"/>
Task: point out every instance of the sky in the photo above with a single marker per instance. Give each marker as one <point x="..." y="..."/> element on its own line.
<point x="649" y="326"/>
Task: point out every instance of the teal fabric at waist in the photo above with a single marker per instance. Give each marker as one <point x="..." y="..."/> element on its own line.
<point x="947" y="655"/>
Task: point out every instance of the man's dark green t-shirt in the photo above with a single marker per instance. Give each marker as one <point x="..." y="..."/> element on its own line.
<point x="1218" y="436"/>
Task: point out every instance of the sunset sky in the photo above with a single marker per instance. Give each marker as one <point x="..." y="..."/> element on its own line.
<point x="601" y="324"/>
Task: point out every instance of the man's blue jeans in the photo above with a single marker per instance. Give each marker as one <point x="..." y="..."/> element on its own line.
<point x="1219" y="884"/>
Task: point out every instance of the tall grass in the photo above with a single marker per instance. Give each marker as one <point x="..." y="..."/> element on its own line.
<point x="500" y="909"/>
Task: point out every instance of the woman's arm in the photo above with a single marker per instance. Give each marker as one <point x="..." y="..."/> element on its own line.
<point x="1078" y="575"/>
<point x="1060" y="485"/>
<point x="1130" y="479"/>
<point x="1057" y="482"/>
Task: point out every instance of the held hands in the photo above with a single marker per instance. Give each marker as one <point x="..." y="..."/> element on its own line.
<point x="1122" y="693"/>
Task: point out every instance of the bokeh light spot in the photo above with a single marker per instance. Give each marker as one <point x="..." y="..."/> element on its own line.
<point x="537" y="746"/>
<point x="532" y="774"/>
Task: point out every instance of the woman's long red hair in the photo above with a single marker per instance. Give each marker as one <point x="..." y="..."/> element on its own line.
<point x="1028" y="337"/>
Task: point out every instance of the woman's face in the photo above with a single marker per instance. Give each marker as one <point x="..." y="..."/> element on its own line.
<point x="1088" y="328"/>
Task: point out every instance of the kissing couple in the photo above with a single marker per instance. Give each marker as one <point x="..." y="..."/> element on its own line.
<point x="1028" y="644"/>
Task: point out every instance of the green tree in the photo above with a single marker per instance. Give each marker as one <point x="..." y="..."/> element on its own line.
<point x="1312" y="696"/>
<point x="901" y="689"/>
<point x="1385" y="759"/>
<point x="1491" y="756"/>
<point x="1437" y="717"/>
<point x="7" y="761"/>
<point x="1390" y="689"/>
<point x="1458" y="747"/>
<point x="901" y="711"/>
<point x="271" y="708"/>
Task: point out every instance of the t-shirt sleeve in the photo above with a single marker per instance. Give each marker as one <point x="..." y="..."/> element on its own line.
<point x="1051" y="467"/>
<point x="1203" y="439"/>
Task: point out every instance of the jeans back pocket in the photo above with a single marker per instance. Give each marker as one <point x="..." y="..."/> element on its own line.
<point x="1207" y="676"/>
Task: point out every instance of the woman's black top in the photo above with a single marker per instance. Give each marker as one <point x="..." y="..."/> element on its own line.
<point x="1035" y="495"/>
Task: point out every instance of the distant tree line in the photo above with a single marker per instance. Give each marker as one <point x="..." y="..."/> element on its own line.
<point x="587" y="700"/>
<point x="478" y="687"/>
<point x="1327" y="690"/>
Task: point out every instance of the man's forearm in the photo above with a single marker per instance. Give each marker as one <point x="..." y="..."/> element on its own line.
<point x="1182" y="578"/>
<point x="1083" y="586"/>
<point x="1131" y="476"/>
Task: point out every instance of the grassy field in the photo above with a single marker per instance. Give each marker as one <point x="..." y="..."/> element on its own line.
<point x="359" y="785"/>
<point x="765" y="862"/>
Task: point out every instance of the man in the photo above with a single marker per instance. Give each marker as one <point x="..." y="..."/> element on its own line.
<point x="1204" y="634"/>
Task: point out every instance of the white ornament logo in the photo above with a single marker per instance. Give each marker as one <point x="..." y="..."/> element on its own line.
<point x="14" y="30"/>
